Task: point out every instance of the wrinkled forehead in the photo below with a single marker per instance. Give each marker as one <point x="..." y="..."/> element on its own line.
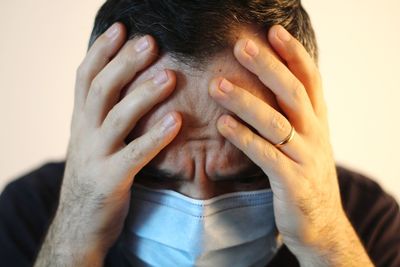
<point x="191" y="97"/>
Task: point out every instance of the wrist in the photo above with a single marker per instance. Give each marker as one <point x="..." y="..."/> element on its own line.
<point x="69" y="242"/>
<point x="335" y="245"/>
<point x="60" y="248"/>
<point x="76" y="233"/>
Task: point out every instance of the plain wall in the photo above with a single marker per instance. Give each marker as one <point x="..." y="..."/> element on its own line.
<point x="42" y="42"/>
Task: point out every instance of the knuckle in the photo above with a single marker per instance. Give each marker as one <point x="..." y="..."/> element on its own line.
<point x="247" y="141"/>
<point x="270" y="153"/>
<point x="115" y="121"/>
<point x="97" y="88"/>
<point x="82" y="72"/>
<point x="140" y="150"/>
<point x="147" y="90"/>
<point x="127" y="60"/>
<point x="278" y="122"/>
<point x="298" y="90"/>
<point x="148" y="94"/>
<point x="272" y="64"/>
<point x="246" y="102"/>
<point x="135" y="154"/>
<point x="129" y="56"/>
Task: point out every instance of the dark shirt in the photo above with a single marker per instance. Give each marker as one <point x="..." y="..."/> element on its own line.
<point x="27" y="206"/>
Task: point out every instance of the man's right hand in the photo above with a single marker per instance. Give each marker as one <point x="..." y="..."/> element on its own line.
<point x="100" y="168"/>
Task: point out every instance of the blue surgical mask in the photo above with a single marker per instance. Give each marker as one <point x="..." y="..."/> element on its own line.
<point x="165" y="228"/>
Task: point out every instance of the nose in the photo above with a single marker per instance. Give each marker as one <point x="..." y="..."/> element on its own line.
<point x="200" y="187"/>
<point x="203" y="187"/>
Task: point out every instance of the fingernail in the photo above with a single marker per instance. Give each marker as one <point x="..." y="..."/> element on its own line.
<point x="169" y="121"/>
<point x="113" y="31"/>
<point x="251" y="48"/>
<point x="225" y="86"/>
<point x="230" y="122"/>
<point x="283" y="34"/>
<point x="161" y="77"/>
<point x="142" y="44"/>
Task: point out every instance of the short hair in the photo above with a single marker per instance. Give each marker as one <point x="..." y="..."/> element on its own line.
<point x="192" y="31"/>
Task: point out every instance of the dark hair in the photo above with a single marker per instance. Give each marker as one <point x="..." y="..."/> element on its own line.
<point x="192" y="31"/>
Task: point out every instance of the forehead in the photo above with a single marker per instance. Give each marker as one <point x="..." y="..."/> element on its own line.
<point x="199" y="142"/>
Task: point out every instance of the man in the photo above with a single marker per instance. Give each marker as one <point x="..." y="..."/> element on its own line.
<point x="200" y="141"/>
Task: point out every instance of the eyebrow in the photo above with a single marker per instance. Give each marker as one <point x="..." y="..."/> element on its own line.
<point x="249" y="171"/>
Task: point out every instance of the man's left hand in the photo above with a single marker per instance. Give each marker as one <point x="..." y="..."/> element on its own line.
<point x="302" y="173"/>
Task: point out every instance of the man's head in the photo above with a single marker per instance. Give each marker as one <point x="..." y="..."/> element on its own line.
<point x="196" y="40"/>
<point x="194" y="31"/>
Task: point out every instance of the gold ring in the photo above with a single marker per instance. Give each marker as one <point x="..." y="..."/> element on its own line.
<point x="287" y="139"/>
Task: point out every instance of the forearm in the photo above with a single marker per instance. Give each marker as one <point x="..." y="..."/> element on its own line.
<point x="339" y="247"/>
<point x="64" y="247"/>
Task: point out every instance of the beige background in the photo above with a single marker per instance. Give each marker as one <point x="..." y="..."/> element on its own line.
<point x="42" y="42"/>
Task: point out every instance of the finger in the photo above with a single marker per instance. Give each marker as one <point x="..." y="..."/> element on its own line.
<point x="134" y="156"/>
<point x="300" y="63"/>
<point x="268" y="122"/>
<point x="124" y="116"/>
<point x="273" y="162"/>
<point x="290" y="92"/>
<point x="98" y="56"/>
<point x="105" y="89"/>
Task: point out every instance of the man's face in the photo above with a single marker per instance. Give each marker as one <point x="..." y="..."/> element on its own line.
<point x="200" y="163"/>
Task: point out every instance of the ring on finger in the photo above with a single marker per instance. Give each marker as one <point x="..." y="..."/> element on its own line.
<point x="287" y="139"/>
